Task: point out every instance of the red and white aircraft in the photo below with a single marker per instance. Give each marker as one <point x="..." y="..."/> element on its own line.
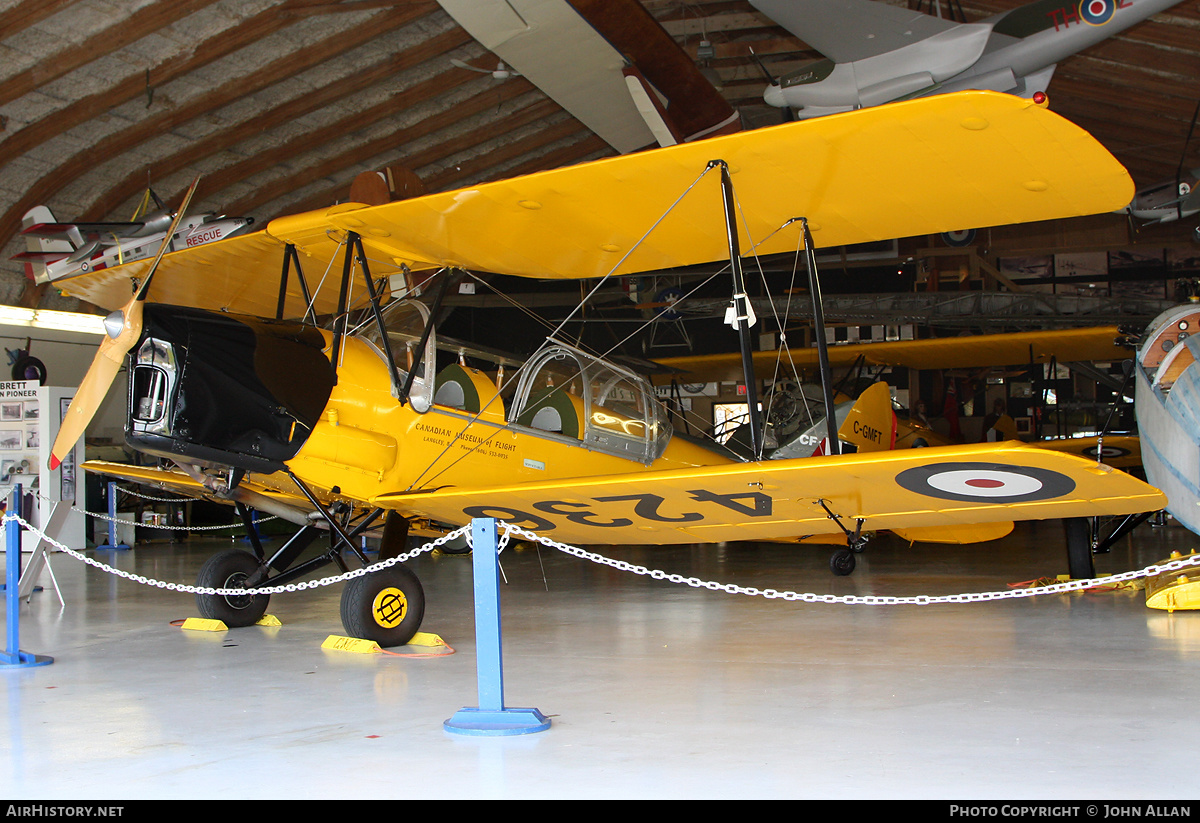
<point x="58" y="251"/>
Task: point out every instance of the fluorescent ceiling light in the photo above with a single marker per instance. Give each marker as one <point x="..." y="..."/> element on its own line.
<point x="46" y="319"/>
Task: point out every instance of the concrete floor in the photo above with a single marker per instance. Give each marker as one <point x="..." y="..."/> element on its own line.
<point x="655" y="690"/>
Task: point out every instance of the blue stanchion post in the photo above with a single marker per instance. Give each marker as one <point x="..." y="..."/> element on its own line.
<point x="112" y="520"/>
<point x="491" y="717"/>
<point x="13" y="657"/>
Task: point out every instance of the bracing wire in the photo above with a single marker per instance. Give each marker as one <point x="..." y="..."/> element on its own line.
<point x="554" y="333"/>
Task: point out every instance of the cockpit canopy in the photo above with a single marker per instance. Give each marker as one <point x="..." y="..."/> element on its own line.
<point x="563" y="390"/>
<point x="406" y="322"/>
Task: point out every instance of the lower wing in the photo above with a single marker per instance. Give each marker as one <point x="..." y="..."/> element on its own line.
<point x="1118" y="451"/>
<point x="178" y="482"/>
<point x="907" y="489"/>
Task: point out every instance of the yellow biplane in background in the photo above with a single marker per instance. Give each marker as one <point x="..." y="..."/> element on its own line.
<point x="869" y="422"/>
<point x="330" y="406"/>
<point x="1108" y="344"/>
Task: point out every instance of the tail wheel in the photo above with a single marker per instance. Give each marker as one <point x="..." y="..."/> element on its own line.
<point x="230" y="570"/>
<point x="386" y="606"/>
<point x="842" y="562"/>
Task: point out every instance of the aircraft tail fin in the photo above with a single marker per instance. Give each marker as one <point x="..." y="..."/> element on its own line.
<point x="871" y="424"/>
<point x="41" y="250"/>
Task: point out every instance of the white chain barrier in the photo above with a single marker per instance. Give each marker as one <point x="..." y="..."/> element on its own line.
<point x="507" y="531"/>
<point x="171" y="527"/>
<point x="164" y="526"/>
<point x="290" y="587"/>
<point x="144" y="496"/>
<point x="864" y="600"/>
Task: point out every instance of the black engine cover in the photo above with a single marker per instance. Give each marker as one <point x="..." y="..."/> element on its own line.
<point x="225" y="389"/>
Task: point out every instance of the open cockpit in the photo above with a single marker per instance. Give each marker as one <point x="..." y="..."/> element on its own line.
<point x="561" y="392"/>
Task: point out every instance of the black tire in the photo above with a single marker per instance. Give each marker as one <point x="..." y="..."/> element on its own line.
<point x="1080" y="563"/>
<point x="29" y="367"/>
<point x="229" y="570"/>
<point x="458" y="545"/>
<point x="842" y="562"/>
<point x="386" y="606"/>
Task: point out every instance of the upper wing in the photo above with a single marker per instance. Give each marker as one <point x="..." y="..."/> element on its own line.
<point x="913" y="488"/>
<point x="850" y="30"/>
<point x="169" y="479"/>
<point x="919" y="167"/>
<point x="240" y="274"/>
<point x="975" y="351"/>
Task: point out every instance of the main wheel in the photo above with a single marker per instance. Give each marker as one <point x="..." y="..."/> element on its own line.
<point x="842" y="562"/>
<point x="230" y="570"/>
<point x="1080" y="563"/>
<point x="386" y="606"/>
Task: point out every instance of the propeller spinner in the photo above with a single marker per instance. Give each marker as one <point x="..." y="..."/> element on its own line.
<point x="122" y="330"/>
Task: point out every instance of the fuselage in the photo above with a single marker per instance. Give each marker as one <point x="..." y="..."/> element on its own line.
<point x="367" y="442"/>
<point x="263" y="397"/>
<point x="1168" y="410"/>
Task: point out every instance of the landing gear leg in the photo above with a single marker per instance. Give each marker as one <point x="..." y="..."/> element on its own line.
<point x="842" y="562"/>
<point x="387" y="605"/>
<point x="395" y="536"/>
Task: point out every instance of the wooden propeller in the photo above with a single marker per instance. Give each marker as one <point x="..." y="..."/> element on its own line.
<point x="122" y="328"/>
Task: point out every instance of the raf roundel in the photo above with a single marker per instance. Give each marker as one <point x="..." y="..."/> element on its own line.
<point x="1097" y="12"/>
<point x="1108" y="451"/>
<point x="985" y="482"/>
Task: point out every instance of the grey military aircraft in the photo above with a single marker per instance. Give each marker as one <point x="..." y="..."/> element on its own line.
<point x="876" y="53"/>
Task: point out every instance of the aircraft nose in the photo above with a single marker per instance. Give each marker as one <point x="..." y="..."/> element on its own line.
<point x="773" y="96"/>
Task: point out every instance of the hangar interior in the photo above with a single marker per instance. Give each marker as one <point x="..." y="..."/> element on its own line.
<point x="655" y="688"/>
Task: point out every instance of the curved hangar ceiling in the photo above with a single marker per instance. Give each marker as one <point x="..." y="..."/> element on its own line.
<point x="279" y="104"/>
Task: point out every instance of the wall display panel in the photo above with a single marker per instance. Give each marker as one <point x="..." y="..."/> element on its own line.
<point x="30" y="416"/>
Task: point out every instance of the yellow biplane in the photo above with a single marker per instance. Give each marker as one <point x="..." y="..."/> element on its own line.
<point x="328" y="406"/>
